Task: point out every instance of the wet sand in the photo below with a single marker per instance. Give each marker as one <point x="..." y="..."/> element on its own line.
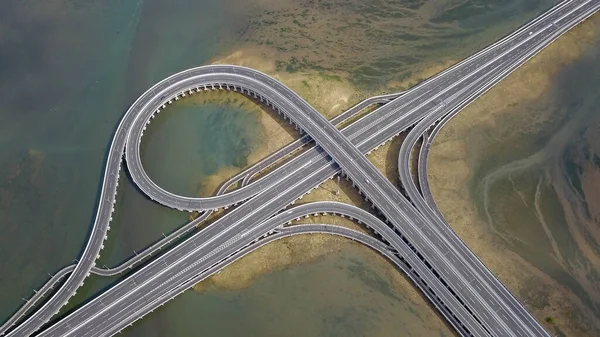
<point x="493" y="173"/>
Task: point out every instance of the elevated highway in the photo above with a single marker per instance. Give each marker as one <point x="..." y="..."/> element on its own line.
<point x="245" y="175"/>
<point x="232" y="242"/>
<point x="485" y="69"/>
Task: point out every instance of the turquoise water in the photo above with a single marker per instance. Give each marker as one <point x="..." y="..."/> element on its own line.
<point x="187" y="142"/>
<point x="182" y="145"/>
<point x="61" y="90"/>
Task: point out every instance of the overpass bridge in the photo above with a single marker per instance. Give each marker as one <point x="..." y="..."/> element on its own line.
<point x="490" y="306"/>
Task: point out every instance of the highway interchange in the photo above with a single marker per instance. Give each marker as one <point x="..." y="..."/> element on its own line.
<point x="473" y="301"/>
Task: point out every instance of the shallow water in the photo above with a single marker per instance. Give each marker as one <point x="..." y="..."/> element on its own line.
<point x="188" y="142"/>
<point x="534" y="197"/>
<point x="68" y="71"/>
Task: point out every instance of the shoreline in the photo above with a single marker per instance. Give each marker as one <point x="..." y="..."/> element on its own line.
<point x="305" y="84"/>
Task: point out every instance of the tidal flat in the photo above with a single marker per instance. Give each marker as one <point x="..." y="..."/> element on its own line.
<point x="516" y="176"/>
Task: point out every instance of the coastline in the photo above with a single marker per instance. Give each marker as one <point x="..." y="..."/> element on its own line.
<point x="298" y="250"/>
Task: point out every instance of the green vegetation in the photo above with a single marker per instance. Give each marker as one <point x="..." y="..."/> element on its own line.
<point x="330" y="77"/>
<point x="376" y="43"/>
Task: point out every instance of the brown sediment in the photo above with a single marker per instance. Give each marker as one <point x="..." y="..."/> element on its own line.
<point x="305" y="248"/>
<point x="463" y="145"/>
<point x="211" y="184"/>
<point x="330" y="92"/>
<point x="328" y="96"/>
<point x="378" y="46"/>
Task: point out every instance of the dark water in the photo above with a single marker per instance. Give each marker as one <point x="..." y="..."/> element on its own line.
<point x="68" y="71"/>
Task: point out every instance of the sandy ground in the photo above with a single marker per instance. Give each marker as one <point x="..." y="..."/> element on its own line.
<point x="457" y="151"/>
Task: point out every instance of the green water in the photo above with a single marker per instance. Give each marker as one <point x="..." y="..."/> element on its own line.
<point x="68" y="71"/>
<point x="184" y="144"/>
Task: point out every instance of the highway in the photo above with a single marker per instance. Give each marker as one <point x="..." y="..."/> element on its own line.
<point x="161" y="244"/>
<point x="234" y="241"/>
<point x="279" y="234"/>
<point x="167" y="240"/>
<point x="436" y="245"/>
